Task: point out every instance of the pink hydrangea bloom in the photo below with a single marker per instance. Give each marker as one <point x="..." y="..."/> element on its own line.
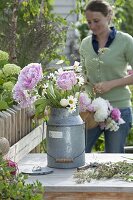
<point x="66" y="80"/>
<point x="30" y="75"/>
<point x="22" y="97"/>
<point x="115" y="114"/>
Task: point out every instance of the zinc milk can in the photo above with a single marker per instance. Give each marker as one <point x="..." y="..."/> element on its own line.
<point x="65" y="139"/>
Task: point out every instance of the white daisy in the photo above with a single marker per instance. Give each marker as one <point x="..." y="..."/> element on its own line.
<point x="72" y="101"/>
<point x="52" y="76"/>
<point x="77" y="66"/>
<point x="80" y="80"/>
<point x="59" y="71"/>
<point x="72" y="109"/>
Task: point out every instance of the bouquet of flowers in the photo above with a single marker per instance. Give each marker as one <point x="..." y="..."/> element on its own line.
<point x="101" y="112"/>
<point x="59" y="89"/>
<point x="63" y="89"/>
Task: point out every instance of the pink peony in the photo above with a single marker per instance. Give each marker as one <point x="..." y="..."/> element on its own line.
<point x="130" y="72"/>
<point x="22" y="96"/>
<point x="12" y="165"/>
<point x="66" y="80"/>
<point x="30" y="75"/>
<point x="84" y="102"/>
<point x="90" y="108"/>
<point x="115" y="114"/>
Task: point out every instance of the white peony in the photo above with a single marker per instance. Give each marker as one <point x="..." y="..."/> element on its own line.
<point x="64" y="102"/>
<point x="99" y="103"/>
<point x="101" y="109"/>
<point x="101" y="115"/>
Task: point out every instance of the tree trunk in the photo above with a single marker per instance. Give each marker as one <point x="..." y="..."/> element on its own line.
<point x="13" y="34"/>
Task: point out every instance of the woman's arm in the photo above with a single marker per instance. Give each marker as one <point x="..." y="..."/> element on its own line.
<point x="106" y="86"/>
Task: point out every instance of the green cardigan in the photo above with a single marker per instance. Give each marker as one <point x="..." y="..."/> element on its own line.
<point x="110" y="65"/>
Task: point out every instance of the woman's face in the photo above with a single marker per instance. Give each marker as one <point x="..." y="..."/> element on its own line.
<point x="97" y="22"/>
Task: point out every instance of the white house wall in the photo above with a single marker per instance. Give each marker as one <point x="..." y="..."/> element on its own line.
<point x="63" y="8"/>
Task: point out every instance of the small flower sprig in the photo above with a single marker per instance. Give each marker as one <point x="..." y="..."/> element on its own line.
<point x="101" y="51"/>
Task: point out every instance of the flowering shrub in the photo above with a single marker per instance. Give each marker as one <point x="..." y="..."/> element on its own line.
<point x="14" y="186"/>
<point x="13" y="166"/>
<point x="3" y="57"/>
<point x="104" y="114"/>
<point x="8" y="78"/>
<point x="58" y="89"/>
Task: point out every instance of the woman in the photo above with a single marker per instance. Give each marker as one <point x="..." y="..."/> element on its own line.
<point x="108" y="78"/>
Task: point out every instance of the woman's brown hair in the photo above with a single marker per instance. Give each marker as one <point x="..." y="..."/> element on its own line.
<point x="99" y="6"/>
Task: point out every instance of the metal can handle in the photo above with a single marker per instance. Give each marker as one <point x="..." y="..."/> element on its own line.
<point x="64" y="160"/>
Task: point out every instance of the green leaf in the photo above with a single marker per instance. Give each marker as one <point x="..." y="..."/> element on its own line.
<point x="40" y="101"/>
<point x="39" y="111"/>
<point x="52" y="99"/>
<point x="3" y="105"/>
<point x="40" y="106"/>
<point x="51" y="89"/>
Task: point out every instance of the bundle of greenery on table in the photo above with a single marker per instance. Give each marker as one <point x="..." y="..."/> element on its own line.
<point x="121" y="170"/>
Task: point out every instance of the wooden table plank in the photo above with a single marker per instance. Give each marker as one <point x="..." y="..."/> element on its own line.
<point x="88" y="196"/>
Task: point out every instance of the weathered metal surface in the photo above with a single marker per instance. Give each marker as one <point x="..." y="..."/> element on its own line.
<point x="65" y="139"/>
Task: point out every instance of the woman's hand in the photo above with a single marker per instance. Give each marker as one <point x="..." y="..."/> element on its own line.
<point x="106" y="86"/>
<point x="103" y="87"/>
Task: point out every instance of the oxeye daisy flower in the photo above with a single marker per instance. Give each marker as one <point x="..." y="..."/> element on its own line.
<point x="72" y="101"/>
<point x="77" y="66"/>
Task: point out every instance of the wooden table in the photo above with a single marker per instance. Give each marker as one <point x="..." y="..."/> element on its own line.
<point x="60" y="185"/>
